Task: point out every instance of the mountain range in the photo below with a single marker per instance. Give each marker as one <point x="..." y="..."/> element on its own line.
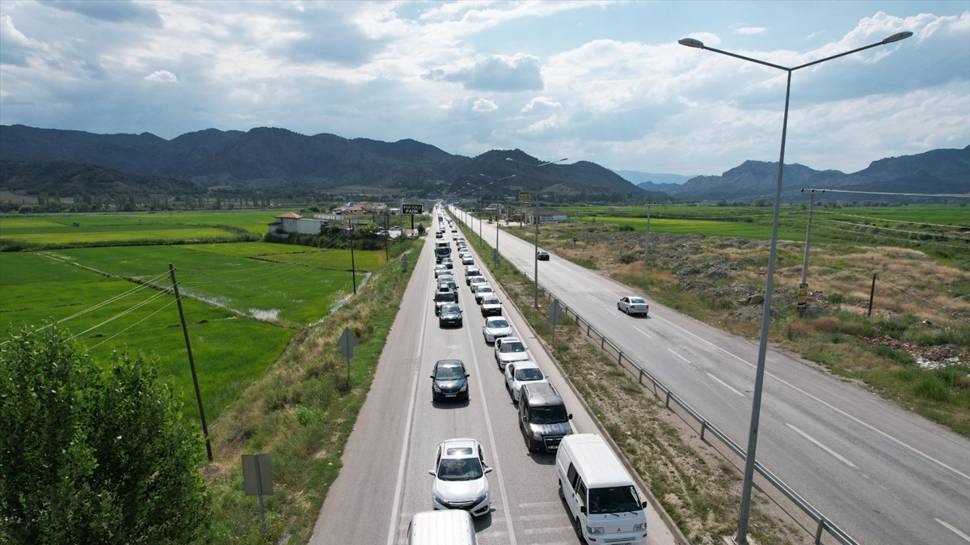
<point x="61" y="162"/>
<point x="638" y="177"/>
<point x="269" y="159"/>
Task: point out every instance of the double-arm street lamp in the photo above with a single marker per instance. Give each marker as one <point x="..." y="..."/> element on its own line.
<point x="497" y="205"/>
<point x="742" y="536"/>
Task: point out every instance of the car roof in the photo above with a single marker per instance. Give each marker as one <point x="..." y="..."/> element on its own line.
<point x="540" y="394"/>
<point x="504" y="340"/>
<point x="491" y="319"/>
<point x="526" y="364"/>
<point x="450" y="363"/>
<point x="599" y="466"/>
<point x="459" y="448"/>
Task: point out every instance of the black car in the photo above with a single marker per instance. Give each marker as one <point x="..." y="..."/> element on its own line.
<point x="443" y="297"/>
<point x="449" y="315"/>
<point x="449" y="381"/>
<point x="542" y="255"/>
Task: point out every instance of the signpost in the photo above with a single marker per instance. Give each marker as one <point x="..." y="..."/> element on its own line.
<point x="412" y="209"/>
<point x="526" y="196"/>
<point x="258" y="479"/>
<point x="555" y="312"/>
<point x="347" y="343"/>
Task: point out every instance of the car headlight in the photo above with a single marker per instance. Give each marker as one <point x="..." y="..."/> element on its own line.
<point x="640" y="527"/>
<point x="464" y="387"/>
<point x="437" y="498"/>
<point x="481" y="498"/>
<point x="594" y="530"/>
<point x="435" y="387"/>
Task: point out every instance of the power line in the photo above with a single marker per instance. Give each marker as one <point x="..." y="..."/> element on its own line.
<point x="943" y="195"/>
<point x="892" y="220"/>
<point x="159" y="309"/>
<point x="120" y="314"/>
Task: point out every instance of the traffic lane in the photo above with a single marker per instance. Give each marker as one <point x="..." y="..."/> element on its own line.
<point x="778" y="454"/>
<point x="382" y="420"/>
<point x="582" y="422"/>
<point x="810" y="385"/>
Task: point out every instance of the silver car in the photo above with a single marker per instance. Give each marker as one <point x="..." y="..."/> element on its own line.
<point x="509" y="349"/>
<point x="495" y="327"/>
<point x="519" y="373"/>
<point x="633" y="305"/>
<point x="459" y="477"/>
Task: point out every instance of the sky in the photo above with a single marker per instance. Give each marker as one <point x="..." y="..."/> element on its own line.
<point x="585" y="79"/>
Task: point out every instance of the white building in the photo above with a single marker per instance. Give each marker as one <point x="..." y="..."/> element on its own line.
<point x="291" y="223"/>
<point x="545" y="215"/>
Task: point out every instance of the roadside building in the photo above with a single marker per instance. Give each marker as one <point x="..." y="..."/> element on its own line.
<point x="292" y="223"/>
<point x="545" y="215"/>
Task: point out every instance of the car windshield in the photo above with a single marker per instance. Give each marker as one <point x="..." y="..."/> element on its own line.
<point x="446" y="296"/>
<point x="498" y="324"/>
<point x="449" y="372"/>
<point x="548" y="415"/>
<point x="485" y="289"/>
<point x="489" y="299"/>
<point x="525" y="375"/>
<point x="449" y="308"/>
<point x="465" y="469"/>
<point x="614" y="499"/>
<point x="637" y="301"/>
<point x="512" y="347"/>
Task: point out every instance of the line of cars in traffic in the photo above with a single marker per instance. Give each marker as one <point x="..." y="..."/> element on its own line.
<point x="595" y="488"/>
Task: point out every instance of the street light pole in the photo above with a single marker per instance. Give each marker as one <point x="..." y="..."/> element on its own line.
<point x="749" y="459"/>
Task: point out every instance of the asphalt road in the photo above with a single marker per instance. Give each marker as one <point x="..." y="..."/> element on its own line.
<point x="384" y="479"/>
<point x="885" y="475"/>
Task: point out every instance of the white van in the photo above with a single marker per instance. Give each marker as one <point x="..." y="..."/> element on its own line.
<point x="449" y="527"/>
<point x="603" y="502"/>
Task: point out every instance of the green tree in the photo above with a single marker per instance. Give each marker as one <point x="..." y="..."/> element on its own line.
<point x="421" y="229"/>
<point x="93" y="453"/>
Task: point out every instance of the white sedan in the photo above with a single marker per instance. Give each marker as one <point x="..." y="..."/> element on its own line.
<point x="633" y="305"/>
<point x="459" y="477"/>
<point x="495" y="327"/>
<point x="521" y="372"/>
<point x="508" y="350"/>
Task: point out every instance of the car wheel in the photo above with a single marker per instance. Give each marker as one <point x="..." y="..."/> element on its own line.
<point x="579" y="531"/>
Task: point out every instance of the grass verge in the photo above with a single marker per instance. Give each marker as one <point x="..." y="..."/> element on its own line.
<point x="696" y="486"/>
<point x="302" y="411"/>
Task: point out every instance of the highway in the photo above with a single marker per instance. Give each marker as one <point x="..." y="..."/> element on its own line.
<point x="384" y="476"/>
<point x="885" y="475"/>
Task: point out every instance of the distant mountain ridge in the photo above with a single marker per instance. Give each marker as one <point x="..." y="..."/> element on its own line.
<point x="267" y="158"/>
<point x="639" y="178"/>
<point x="934" y="171"/>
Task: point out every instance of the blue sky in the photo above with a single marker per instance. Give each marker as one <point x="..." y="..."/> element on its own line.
<point x="595" y="80"/>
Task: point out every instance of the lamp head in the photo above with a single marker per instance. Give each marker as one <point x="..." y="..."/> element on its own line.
<point x="898" y="36"/>
<point x="691" y="42"/>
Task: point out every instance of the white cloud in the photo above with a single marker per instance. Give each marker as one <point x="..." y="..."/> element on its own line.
<point x="542" y="125"/>
<point x="750" y="30"/>
<point x="540" y="104"/>
<point x="162" y="76"/>
<point x="484" y="105"/>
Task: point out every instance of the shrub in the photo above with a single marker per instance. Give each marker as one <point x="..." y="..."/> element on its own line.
<point x="93" y="453"/>
<point x="836" y="298"/>
<point x="931" y="386"/>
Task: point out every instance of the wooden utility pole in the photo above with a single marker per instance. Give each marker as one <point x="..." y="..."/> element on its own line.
<point x="353" y="263"/>
<point x="872" y="293"/>
<point x="188" y="348"/>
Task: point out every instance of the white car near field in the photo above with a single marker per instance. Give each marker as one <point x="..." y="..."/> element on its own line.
<point x="459" y="477"/>
<point x="632" y="304"/>
<point x="521" y="372"/>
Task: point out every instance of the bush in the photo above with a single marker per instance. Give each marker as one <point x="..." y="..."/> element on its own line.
<point x="93" y="453"/>
<point x="836" y="298"/>
<point x="421" y="229"/>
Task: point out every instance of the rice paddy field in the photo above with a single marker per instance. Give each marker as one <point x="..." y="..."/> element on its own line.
<point x="244" y="301"/>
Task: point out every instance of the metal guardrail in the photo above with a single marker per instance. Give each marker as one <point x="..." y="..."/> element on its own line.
<point x="662" y="391"/>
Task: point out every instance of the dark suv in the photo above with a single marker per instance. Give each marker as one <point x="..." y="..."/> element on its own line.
<point x="444" y="296"/>
<point x="449" y="380"/>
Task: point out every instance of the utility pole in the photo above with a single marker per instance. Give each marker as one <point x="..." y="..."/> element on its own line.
<point x="803" y="287"/>
<point x="535" y="259"/>
<point x="387" y="236"/>
<point x="353" y="263"/>
<point x="646" y="242"/>
<point x="872" y="293"/>
<point x="188" y="349"/>
<point x="497" y="220"/>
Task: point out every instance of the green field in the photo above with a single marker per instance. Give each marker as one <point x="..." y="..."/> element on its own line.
<point x="230" y="352"/>
<point x="942" y="231"/>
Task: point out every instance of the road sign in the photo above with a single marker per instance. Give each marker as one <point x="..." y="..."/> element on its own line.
<point x="347" y="343"/>
<point x="257" y="474"/>
<point x="526" y="196"/>
<point x="412" y="208"/>
<point x="258" y="479"/>
<point x="404" y="262"/>
<point x="555" y="312"/>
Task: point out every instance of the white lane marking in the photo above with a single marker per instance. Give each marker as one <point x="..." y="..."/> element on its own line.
<point x="550" y="516"/>
<point x="671" y="350"/>
<point x="491" y="439"/>
<point x="399" y="486"/>
<point x="551" y="530"/>
<point x="819" y="444"/>
<point x="827" y="404"/>
<point x="529" y="505"/>
<point x="956" y="531"/>
<point x="649" y="336"/>
<point x="725" y="384"/>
